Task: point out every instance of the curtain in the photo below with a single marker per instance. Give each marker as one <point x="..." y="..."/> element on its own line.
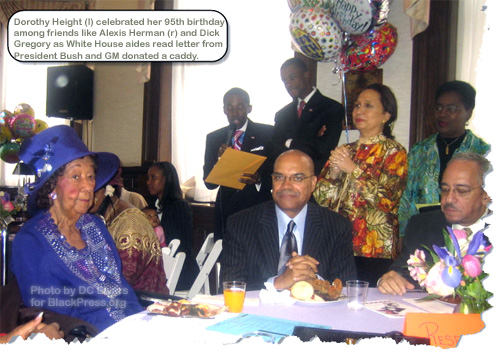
<point x="471" y="30"/>
<point x="418" y="11"/>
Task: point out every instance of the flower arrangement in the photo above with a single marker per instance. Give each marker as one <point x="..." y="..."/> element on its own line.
<point x="7" y="207"/>
<point x="455" y="270"/>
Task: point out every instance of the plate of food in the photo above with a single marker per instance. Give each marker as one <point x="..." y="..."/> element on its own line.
<point x="184" y="308"/>
<point x="317" y="292"/>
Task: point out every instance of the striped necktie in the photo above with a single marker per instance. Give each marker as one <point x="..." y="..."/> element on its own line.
<point x="288" y="245"/>
<point x="237" y="139"/>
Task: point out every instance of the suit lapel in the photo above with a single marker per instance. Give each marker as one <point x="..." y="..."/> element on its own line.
<point x="249" y="138"/>
<point x="313" y="232"/>
<point x="308" y="111"/>
<point x="267" y="235"/>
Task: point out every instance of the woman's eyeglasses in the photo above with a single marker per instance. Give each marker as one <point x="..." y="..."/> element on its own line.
<point x="448" y="109"/>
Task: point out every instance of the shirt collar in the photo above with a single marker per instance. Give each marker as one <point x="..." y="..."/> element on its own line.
<point x="244" y="127"/>
<point x="480" y="224"/>
<point x="157" y="205"/>
<point x="308" y="97"/>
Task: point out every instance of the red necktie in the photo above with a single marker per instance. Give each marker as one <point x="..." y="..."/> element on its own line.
<point x="301" y="108"/>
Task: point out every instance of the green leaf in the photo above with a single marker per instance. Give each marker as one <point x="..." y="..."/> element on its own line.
<point x="435" y="258"/>
<point x="448" y="242"/>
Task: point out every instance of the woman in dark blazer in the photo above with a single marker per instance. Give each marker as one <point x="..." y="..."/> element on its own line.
<point x="175" y="215"/>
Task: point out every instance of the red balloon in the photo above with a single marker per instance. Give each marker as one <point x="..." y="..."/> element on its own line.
<point x="376" y="47"/>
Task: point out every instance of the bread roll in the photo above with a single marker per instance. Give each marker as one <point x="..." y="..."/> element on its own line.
<point x="302" y="290"/>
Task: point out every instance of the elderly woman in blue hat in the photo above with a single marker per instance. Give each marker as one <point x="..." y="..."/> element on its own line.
<point x="63" y="258"/>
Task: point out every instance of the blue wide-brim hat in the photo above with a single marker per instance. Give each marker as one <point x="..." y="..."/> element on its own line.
<point x="55" y="147"/>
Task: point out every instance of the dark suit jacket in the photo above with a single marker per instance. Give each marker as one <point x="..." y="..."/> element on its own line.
<point x="422" y="229"/>
<point x="251" y="245"/>
<point x="230" y="200"/>
<point x="319" y="111"/>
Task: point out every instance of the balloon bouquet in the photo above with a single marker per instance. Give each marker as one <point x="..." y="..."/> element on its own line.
<point x="14" y="128"/>
<point x="354" y="35"/>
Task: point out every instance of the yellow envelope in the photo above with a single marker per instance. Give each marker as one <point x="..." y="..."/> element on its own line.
<point x="227" y="171"/>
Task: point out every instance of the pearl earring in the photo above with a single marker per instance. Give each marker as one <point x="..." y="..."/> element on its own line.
<point x="53" y="196"/>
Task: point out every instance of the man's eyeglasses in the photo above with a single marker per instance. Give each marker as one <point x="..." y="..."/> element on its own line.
<point x="461" y="191"/>
<point x="296" y="178"/>
<point x="448" y="109"/>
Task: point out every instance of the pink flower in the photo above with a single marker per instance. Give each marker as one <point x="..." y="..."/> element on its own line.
<point x="418" y="273"/>
<point x="460" y="234"/>
<point x="434" y="282"/>
<point x="471" y="265"/>
<point x="417" y="259"/>
<point x="417" y="266"/>
<point x="8" y="206"/>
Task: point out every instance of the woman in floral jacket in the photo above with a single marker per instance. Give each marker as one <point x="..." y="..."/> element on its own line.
<point x="364" y="182"/>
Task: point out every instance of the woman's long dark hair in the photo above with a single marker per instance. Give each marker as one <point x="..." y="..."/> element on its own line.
<point x="390" y="105"/>
<point x="172" y="187"/>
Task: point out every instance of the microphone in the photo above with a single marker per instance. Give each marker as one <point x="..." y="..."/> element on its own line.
<point x="230" y="133"/>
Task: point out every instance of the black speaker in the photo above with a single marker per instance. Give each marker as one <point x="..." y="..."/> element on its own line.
<point x="70" y="92"/>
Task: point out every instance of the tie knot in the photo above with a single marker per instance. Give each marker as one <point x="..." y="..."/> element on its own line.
<point x="289" y="228"/>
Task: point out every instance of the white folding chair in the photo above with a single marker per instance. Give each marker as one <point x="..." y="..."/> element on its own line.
<point x="205" y="250"/>
<point x="202" y="278"/>
<point x="173" y="246"/>
<point x="173" y="267"/>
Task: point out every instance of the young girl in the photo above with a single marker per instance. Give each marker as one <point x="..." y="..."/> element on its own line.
<point x="154" y="220"/>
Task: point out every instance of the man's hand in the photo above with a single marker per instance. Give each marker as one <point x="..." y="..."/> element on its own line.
<point x="393" y="283"/>
<point x="222" y="149"/>
<point x="249" y="179"/>
<point x="299" y="268"/>
<point x="321" y="131"/>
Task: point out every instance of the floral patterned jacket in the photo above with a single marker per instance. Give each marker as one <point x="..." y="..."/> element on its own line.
<point x="423" y="174"/>
<point x="369" y="196"/>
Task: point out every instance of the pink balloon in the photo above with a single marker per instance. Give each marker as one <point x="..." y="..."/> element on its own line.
<point x="23" y="125"/>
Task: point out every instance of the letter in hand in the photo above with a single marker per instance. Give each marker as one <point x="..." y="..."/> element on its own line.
<point x="299" y="268"/>
<point x="393" y="283"/>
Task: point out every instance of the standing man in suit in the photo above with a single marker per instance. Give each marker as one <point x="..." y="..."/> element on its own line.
<point x="312" y="122"/>
<point x="247" y="136"/>
<point x="464" y="204"/>
<point x="261" y="244"/>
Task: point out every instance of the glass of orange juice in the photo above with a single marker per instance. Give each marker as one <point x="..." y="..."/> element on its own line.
<point x="234" y="295"/>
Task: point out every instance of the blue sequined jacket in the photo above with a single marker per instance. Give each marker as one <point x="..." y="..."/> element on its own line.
<point x="86" y="283"/>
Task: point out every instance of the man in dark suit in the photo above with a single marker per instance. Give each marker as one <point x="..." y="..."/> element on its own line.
<point x="250" y="137"/>
<point x="316" y="130"/>
<point x="464" y="203"/>
<point x="320" y="240"/>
